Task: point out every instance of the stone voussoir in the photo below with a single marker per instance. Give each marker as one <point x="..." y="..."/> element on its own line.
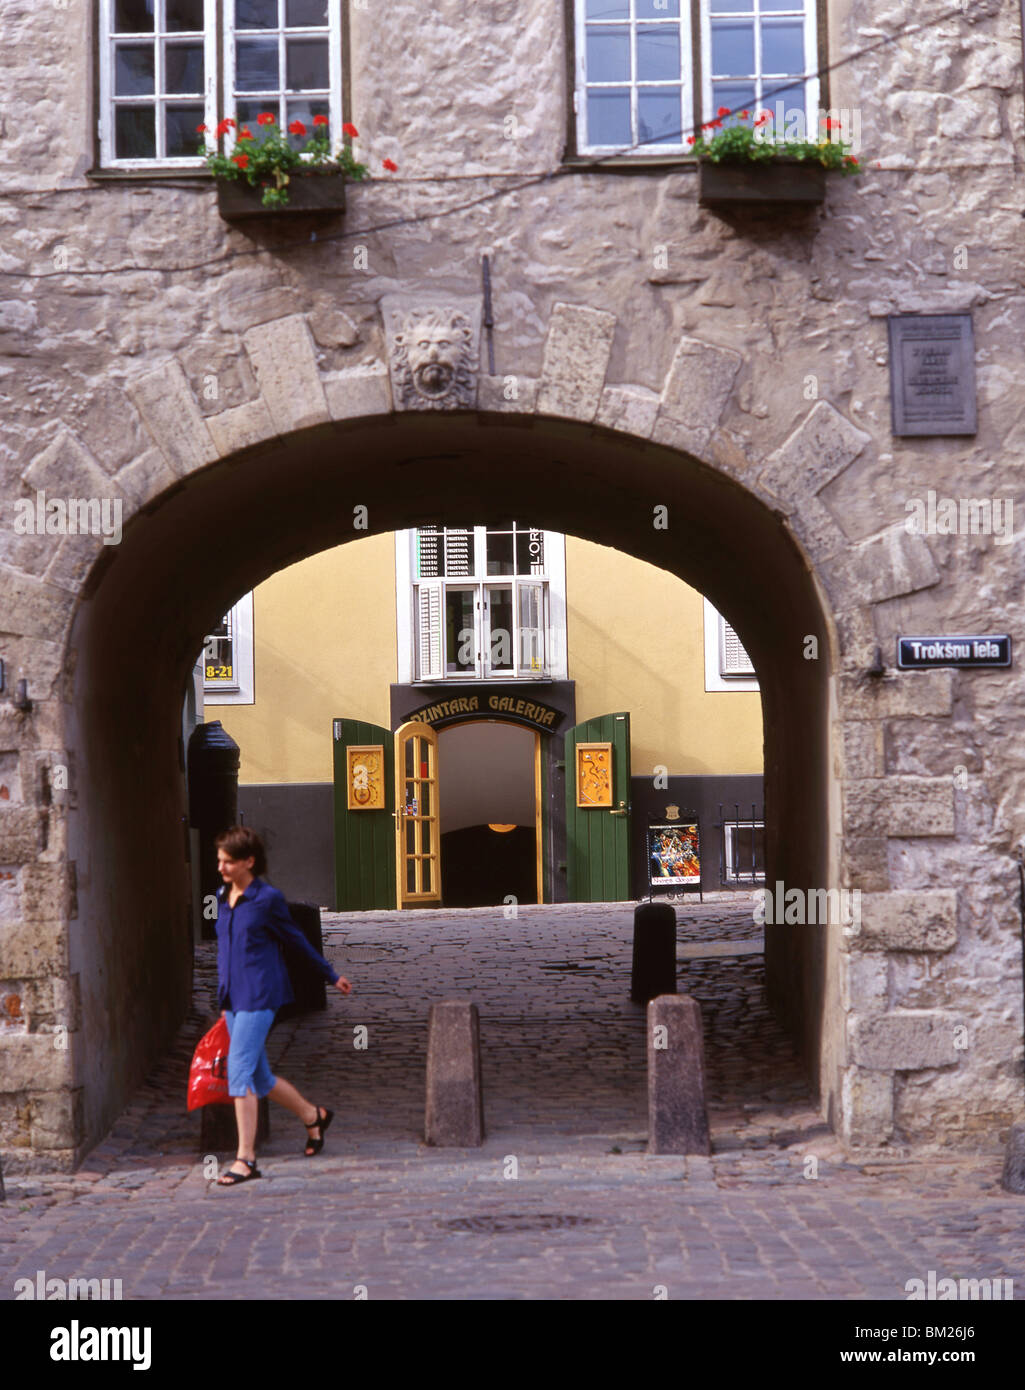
<point x="698" y="385"/>
<point x="357" y="391"/>
<point x="576" y="358"/>
<point x="172" y="416"/>
<point x="822" y="446"/>
<point x="241" y="427"/>
<point x="285" y="362"/>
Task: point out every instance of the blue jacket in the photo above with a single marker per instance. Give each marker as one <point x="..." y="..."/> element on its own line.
<point x="250" y="964"/>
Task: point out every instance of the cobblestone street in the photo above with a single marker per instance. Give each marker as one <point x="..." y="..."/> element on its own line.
<point x="589" y="1213"/>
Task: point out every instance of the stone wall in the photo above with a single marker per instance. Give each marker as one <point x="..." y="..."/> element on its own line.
<point x="145" y="345"/>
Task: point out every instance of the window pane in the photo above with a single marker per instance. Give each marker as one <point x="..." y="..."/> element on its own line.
<point x="256" y="14"/>
<point x="246" y="112"/>
<point x="608" y="55"/>
<point x="500" y="553"/>
<point x="608" y="9"/>
<point x="135" y="132"/>
<point x="658" y="53"/>
<point x="777" y="98"/>
<point x="658" y="9"/>
<point x="305" y="12"/>
<point x="306" y="61"/>
<point x="659" y="117"/>
<point x="183" y="68"/>
<point x="257" y="65"/>
<point x="428" y="543"/>
<point x="782" y="5"/>
<point x="133" y="16"/>
<point x="733" y="48"/>
<point x="734" y="6"/>
<point x="304" y="109"/>
<point x="184" y="16"/>
<point x="425" y="798"/>
<point x="458" y="552"/>
<point x="180" y="123"/>
<point x="738" y="96"/>
<point x="608" y="118"/>
<point x="461" y="640"/>
<point x="501" y="605"/>
<point x="133" y="70"/>
<point x="783" y="46"/>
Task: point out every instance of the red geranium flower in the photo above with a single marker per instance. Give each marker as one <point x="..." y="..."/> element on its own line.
<point x="691" y="139"/>
<point x="349" y="129"/>
<point x="240" y="159"/>
<point x="224" y="126"/>
<point x="390" y="165"/>
<point x="723" y="111"/>
<point x="320" y="120"/>
<point x="297" y="128"/>
<point x="849" y="159"/>
<point x="266" y="118"/>
<point x="745" y="115"/>
<point x="245" y="133"/>
<point x="201" y="129"/>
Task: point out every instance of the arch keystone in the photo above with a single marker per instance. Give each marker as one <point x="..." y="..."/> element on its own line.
<point x="576" y="358"/>
<point x="285" y="363"/>
<point x="169" y="411"/>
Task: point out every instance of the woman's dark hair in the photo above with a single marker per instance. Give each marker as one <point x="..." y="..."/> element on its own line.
<point x="239" y="842"/>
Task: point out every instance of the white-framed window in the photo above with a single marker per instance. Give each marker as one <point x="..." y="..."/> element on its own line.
<point x="744" y="851"/>
<point x="481" y="603"/>
<point x="727" y="664"/>
<point x="637" y="65"/>
<point x="163" y="64"/>
<point x="228" y="657"/>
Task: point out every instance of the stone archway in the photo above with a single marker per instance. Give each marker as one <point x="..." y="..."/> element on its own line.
<point x="95" y="844"/>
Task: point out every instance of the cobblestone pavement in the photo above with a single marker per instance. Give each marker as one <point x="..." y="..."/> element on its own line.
<point x="778" y="1211"/>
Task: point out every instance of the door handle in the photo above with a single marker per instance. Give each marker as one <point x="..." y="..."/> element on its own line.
<point x="623" y="811"/>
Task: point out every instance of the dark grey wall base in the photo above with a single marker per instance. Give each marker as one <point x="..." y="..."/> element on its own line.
<point x="296" y="822"/>
<point x="701" y="794"/>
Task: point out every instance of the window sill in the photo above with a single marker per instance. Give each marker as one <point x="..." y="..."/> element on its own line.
<point x="148" y="175"/>
<point x="628" y="163"/>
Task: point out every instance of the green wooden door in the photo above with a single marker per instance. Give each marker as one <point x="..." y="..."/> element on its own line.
<point x="364" y="795"/>
<point x="598" y="810"/>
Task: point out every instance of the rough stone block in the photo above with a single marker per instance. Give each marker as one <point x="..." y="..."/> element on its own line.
<point x="145" y="478"/>
<point x="893" y="564"/>
<point x="918" y="921"/>
<point x="677" y="1115"/>
<point x="285" y="363"/>
<point x="454" y="1115"/>
<point x="675" y="435"/>
<point x="332" y="327"/>
<point x="67" y="469"/>
<point x="32" y="950"/>
<point x="819" y="450"/>
<point x="899" y="806"/>
<point x="867" y="1106"/>
<point x="491" y="393"/>
<point x="907" y="1041"/>
<point x="241" y="306"/>
<point x="1013" y="1179"/>
<point x="576" y="358"/>
<point x="75" y="557"/>
<point x="32" y="608"/>
<point x="862" y="752"/>
<point x="46" y="891"/>
<point x="629" y="408"/>
<point x="19" y="834"/>
<point x="699" y="383"/>
<point x="356" y="391"/>
<point x="170" y="412"/>
<point x="241" y="427"/>
<point x="31" y="1062"/>
<point x="865" y="983"/>
<point x="903" y="695"/>
<point x="55" y="1117"/>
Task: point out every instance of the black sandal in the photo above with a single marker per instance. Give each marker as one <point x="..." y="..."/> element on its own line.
<point x="230" y="1179"/>
<point x="314" y="1146"/>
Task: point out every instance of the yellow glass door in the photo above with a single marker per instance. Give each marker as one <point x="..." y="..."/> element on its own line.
<point x="417" y="827"/>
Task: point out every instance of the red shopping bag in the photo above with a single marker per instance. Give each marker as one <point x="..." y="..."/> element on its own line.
<point x="208" y="1075"/>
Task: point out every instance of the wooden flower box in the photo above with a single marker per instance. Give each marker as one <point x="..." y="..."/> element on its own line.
<point x="771" y="182"/>
<point x="307" y="193"/>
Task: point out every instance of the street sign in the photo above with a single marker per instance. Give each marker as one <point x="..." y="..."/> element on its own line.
<point x="921" y="653"/>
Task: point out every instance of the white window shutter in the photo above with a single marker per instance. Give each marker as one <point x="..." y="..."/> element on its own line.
<point x="733" y="659"/>
<point x="429" y="631"/>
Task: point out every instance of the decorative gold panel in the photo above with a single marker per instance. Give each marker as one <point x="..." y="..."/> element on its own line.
<point x="364" y="764"/>
<point x="594" y="774"/>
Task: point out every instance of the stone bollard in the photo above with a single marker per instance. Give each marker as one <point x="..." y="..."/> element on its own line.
<point x="677" y="1117"/>
<point x="454" y="1116"/>
<point x="1013" y="1179"/>
<point x="654" y="960"/>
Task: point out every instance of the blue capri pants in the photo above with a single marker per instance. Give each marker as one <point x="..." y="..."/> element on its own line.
<point x="248" y="1068"/>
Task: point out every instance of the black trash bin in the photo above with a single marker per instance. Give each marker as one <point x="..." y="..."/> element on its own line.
<point x="654" y="958"/>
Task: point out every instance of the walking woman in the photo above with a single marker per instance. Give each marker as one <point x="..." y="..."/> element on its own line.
<point x="252" y="924"/>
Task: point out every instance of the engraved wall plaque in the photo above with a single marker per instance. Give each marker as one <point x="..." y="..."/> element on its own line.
<point x="932" y="374"/>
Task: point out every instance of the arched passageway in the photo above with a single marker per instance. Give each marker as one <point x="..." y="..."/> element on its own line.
<point x="189" y="553"/>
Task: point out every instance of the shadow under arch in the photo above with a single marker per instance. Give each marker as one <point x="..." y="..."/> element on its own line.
<point x="193" y="550"/>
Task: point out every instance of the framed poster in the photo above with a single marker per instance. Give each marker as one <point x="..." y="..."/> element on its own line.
<point x="594" y="774"/>
<point x="364" y="768"/>
<point x="674" y="855"/>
